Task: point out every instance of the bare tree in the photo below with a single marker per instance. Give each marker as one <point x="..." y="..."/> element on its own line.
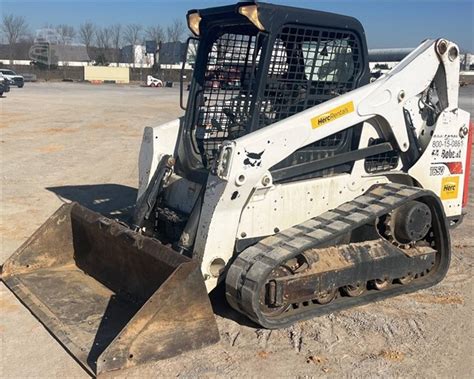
<point x="103" y="38"/>
<point x="155" y="33"/>
<point x="86" y="34"/>
<point x="28" y="38"/>
<point x="132" y="34"/>
<point x="103" y="42"/>
<point x="13" y="27"/>
<point x="175" y="31"/>
<point x="66" y="33"/>
<point x="116" y="37"/>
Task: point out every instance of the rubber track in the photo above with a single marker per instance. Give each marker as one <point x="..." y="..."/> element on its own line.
<point x="250" y="270"/>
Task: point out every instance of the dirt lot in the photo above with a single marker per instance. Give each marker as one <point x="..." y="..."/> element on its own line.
<point x="63" y="141"/>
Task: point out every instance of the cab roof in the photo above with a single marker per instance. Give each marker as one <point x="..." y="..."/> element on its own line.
<point x="273" y="17"/>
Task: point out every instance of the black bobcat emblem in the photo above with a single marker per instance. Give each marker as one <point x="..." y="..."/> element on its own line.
<point x="253" y="159"/>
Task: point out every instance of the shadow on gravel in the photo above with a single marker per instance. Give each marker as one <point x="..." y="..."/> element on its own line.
<point x="111" y="200"/>
<point x="224" y="310"/>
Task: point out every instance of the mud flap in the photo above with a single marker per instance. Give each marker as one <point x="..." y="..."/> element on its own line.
<point x="112" y="297"/>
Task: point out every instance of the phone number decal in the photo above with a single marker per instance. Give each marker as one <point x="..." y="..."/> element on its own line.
<point x="447" y="147"/>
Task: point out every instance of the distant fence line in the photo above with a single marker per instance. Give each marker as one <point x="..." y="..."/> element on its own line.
<point x="76" y="73"/>
<point x="24" y="62"/>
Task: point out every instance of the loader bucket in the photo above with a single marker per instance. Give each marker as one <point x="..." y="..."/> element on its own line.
<point x="112" y="297"/>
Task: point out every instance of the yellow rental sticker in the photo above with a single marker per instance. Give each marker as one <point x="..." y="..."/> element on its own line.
<point x="332" y="115"/>
<point x="449" y="187"/>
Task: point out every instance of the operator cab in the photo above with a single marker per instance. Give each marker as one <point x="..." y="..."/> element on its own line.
<point x="258" y="64"/>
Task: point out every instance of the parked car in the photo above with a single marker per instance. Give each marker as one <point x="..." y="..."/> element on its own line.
<point x="13" y="77"/>
<point x="4" y="84"/>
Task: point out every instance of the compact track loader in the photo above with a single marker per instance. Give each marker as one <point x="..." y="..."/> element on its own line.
<point x="290" y="180"/>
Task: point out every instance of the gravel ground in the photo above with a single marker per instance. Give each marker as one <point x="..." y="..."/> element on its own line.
<point x="65" y="141"/>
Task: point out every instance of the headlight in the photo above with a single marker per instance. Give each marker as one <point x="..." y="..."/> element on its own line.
<point x="251" y="12"/>
<point x="193" y="23"/>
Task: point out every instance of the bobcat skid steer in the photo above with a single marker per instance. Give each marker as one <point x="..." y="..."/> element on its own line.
<point x="290" y="180"/>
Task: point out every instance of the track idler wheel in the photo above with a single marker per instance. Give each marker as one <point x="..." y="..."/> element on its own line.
<point x="411" y="222"/>
<point x="380" y="284"/>
<point x="267" y="296"/>
<point x="326" y="297"/>
<point x="406" y="279"/>
<point x="354" y="290"/>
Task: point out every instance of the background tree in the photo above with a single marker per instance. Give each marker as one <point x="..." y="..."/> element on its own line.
<point x="103" y="42"/>
<point x="86" y="34"/>
<point x="175" y="31"/>
<point x="13" y="27"/>
<point x="132" y="34"/>
<point x="103" y="38"/>
<point x="48" y="33"/>
<point x="155" y="33"/>
<point x="116" y="37"/>
<point x="66" y="33"/>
